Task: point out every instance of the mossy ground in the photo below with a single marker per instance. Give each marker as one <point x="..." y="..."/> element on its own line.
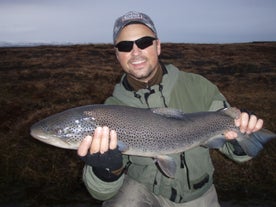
<point x="38" y="81"/>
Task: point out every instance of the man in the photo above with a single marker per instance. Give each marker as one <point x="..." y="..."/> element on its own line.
<point x="148" y="83"/>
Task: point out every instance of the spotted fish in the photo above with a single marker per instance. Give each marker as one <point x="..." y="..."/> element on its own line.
<point x="154" y="133"/>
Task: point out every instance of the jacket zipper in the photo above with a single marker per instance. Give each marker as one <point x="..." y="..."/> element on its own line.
<point x="155" y="183"/>
<point x="184" y="164"/>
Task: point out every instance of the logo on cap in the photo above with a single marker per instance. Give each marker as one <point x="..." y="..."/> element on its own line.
<point x="132" y="16"/>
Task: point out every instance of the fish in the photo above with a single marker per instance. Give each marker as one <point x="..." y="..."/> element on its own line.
<point x="153" y="132"/>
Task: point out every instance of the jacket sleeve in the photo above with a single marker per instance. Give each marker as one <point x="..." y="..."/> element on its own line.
<point x="99" y="189"/>
<point x="229" y="150"/>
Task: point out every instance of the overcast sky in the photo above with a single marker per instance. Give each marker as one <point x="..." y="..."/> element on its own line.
<point x="91" y="21"/>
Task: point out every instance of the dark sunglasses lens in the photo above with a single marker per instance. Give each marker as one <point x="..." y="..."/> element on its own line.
<point x="125" y="46"/>
<point x="144" y="42"/>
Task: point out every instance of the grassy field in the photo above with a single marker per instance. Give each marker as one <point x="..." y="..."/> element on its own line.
<point x="39" y="81"/>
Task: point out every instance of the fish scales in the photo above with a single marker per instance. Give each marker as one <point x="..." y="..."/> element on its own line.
<point x="141" y="129"/>
<point x="136" y="128"/>
<point x="152" y="133"/>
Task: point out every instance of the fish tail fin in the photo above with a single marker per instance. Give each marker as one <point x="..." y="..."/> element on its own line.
<point x="253" y="143"/>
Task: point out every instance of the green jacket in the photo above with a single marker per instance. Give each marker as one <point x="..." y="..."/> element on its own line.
<point x="181" y="90"/>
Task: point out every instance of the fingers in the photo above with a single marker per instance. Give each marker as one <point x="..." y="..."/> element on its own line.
<point x="244" y="119"/>
<point x="113" y="140"/>
<point x="104" y="146"/>
<point x="108" y="140"/>
<point x="84" y="146"/>
<point x="258" y="125"/>
<point x="249" y="124"/>
<point x="230" y="135"/>
<point x="102" y="140"/>
<point x="96" y="141"/>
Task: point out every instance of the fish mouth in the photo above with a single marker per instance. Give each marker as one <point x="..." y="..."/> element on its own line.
<point x="40" y="135"/>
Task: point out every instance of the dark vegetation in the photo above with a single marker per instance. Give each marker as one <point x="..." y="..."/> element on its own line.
<point x="39" y="81"/>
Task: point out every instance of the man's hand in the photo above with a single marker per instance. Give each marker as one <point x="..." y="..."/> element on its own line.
<point x="102" y="154"/>
<point x="247" y="124"/>
<point x="102" y="141"/>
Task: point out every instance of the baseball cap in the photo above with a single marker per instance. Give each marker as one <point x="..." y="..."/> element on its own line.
<point x="129" y="18"/>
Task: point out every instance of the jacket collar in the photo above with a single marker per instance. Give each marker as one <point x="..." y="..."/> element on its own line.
<point x="131" y="84"/>
<point x="155" y="99"/>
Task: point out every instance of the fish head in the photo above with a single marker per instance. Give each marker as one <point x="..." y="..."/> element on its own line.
<point x="65" y="130"/>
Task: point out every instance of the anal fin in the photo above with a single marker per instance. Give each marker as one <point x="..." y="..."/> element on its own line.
<point x="167" y="165"/>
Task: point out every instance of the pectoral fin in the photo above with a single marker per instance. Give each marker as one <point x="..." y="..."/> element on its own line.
<point x="122" y="146"/>
<point x="167" y="165"/>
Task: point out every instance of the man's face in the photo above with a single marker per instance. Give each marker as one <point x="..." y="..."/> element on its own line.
<point x="141" y="64"/>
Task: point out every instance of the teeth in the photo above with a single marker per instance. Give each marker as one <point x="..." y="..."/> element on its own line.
<point x="138" y="62"/>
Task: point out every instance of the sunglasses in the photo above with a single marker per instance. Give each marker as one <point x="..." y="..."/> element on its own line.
<point x="142" y="43"/>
